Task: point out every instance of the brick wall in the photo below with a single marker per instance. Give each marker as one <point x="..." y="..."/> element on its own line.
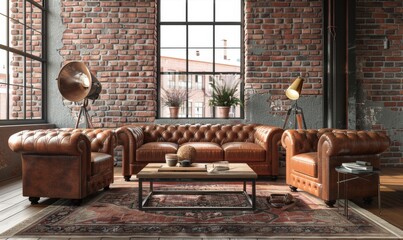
<point x="282" y="40"/>
<point x="117" y="41"/>
<point x="380" y="71"/>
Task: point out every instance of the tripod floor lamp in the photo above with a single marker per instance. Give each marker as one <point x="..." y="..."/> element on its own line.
<point x="293" y="92"/>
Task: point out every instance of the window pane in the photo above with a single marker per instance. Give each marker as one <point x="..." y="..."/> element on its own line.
<point x="3" y="29"/>
<point x="16" y="69"/>
<point x="33" y="17"/>
<point x="173" y="10"/>
<point x="200" y="36"/>
<point x="3" y="66"/>
<point x="3" y="101"/>
<point x="228" y="60"/>
<point x="16" y="98"/>
<point x="33" y="103"/>
<point x="199" y="96"/>
<point x="16" y="37"/>
<point x="34" y="73"/>
<point x="40" y="2"/>
<point x="177" y="82"/>
<point x="228" y="10"/>
<point x="3" y="9"/>
<point x="200" y="10"/>
<point x="173" y="60"/>
<point x="200" y="60"/>
<point x="34" y="43"/>
<point x="173" y="36"/>
<point x="228" y="36"/>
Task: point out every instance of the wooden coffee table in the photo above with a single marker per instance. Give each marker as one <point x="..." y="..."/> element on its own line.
<point x="238" y="172"/>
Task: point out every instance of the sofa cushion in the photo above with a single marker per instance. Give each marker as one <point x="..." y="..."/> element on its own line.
<point x="206" y="151"/>
<point x="243" y="152"/>
<point x="306" y="163"/>
<point x="155" y="151"/>
<point x="100" y="162"/>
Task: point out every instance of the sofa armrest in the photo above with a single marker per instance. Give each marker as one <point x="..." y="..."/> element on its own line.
<point x="301" y="140"/>
<point x="130" y="138"/>
<point x="102" y="140"/>
<point x="351" y="142"/>
<point x="269" y="138"/>
<point x="52" y="142"/>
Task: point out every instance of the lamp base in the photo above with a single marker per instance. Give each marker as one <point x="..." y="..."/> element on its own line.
<point x="86" y="115"/>
<point x="299" y="117"/>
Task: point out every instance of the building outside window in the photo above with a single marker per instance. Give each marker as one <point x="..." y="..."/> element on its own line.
<point x="199" y="40"/>
<point x="198" y="109"/>
<point x="22" y="61"/>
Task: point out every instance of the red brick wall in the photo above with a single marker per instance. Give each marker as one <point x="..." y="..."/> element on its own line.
<point x="117" y="41"/>
<point x="380" y="71"/>
<point x="282" y="40"/>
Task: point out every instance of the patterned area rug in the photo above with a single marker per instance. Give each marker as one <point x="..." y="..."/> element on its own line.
<point x="115" y="213"/>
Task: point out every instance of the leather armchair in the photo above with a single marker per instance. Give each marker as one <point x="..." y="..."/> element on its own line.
<point x="64" y="163"/>
<point x="313" y="155"/>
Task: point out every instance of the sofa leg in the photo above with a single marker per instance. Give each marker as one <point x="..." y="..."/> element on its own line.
<point x="127" y="178"/>
<point x="330" y="203"/>
<point x="33" y="200"/>
<point x="76" y="202"/>
<point x="293" y="189"/>
<point x="106" y="188"/>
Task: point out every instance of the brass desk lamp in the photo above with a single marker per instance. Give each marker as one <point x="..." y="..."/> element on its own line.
<point x="294" y="92"/>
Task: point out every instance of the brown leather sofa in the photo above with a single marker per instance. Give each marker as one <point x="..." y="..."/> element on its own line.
<point x="313" y="155"/>
<point x="64" y="163"/>
<point x="257" y="145"/>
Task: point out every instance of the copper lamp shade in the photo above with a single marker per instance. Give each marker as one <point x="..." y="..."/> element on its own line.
<point x="76" y="82"/>
<point x="294" y="90"/>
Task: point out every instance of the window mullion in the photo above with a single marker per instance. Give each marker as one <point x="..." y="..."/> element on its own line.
<point x="24" y="75"/>
<point x="187" y="59"/>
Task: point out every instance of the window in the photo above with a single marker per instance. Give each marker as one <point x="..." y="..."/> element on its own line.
<point x="199" y="40"/>
<point x="199" y="109"/>
<point x="22" y="61"/>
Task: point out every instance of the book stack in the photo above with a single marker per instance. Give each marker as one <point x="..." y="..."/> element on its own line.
<point x="358" y="166"/>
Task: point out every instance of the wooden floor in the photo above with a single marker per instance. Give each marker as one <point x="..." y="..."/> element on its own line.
<point x="14" y="208"/>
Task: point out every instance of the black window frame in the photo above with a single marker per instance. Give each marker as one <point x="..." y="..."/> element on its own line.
<point x="25" y="54"/>
<point x="188" y="73"/>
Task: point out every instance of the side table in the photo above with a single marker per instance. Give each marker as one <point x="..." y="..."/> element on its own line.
<point x="356" y="174"/>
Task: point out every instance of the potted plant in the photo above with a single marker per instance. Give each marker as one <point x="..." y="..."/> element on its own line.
<point x="174" y="98"/>
<point x="224" y="94"/>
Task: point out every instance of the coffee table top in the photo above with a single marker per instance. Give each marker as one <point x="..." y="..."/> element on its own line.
<point x="236" y="170"/>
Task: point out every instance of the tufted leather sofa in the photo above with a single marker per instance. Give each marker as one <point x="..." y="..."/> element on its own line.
<point x="257" y="145"/>
<point x="64" y="163"/>
<point x="313" y="155"/>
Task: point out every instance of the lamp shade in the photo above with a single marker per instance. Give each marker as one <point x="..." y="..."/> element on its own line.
<point x="294" y="90"/>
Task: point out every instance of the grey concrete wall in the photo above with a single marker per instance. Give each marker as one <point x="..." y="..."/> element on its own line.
<point x="57" y="112"/>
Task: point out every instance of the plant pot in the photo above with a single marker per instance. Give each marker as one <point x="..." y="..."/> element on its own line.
<point x="174" y="112"/>
<point x="222" y="112"/>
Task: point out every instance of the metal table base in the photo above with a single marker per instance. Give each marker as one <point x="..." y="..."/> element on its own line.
<point x="354" y="176"/>
<point x="142" y="203"/>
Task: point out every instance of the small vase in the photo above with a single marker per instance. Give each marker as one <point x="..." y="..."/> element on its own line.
<point x="174" y="112"/>
<point x="222" y="112"/>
